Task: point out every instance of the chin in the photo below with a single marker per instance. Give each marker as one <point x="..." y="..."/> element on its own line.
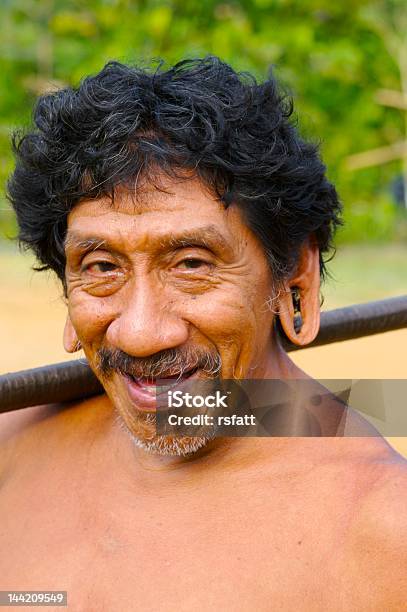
<point x="170" y="446"/>
<point x="142" y="431"/>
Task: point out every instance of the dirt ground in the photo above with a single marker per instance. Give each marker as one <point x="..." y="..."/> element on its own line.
<point x="32" y="314"/>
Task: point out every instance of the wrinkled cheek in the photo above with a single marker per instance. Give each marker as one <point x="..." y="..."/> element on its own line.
<point x="90" y="319"/>
<point x="232" y="327"/>
<point x="253" y="323"/>
<point x="232" y="317"/>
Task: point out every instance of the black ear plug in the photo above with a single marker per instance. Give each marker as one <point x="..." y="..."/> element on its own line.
<point x="295" y="292"/>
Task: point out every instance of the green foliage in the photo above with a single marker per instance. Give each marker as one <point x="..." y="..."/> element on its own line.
<point x="332" y="56"/>
<point x="376" y="220"/>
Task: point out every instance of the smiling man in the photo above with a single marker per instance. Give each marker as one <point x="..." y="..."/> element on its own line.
<point x="185" y="217"/>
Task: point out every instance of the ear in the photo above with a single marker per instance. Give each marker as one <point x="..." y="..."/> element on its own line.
<point x="299" y="300"/>
<point x="71" y="341"/>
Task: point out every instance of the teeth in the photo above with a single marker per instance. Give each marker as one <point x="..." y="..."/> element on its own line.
<point x="152" y="389"/>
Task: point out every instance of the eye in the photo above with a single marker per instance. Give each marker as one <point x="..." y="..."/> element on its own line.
<point x="192" y="263"/>
<point x="100" y="267"/>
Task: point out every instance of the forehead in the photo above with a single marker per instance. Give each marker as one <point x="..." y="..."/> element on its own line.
<point x="154" y="213"/>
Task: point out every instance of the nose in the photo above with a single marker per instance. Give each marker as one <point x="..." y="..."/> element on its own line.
<point x="147" y="322"/>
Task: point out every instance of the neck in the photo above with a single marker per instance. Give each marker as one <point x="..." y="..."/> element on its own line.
<point x="277" y="364"/>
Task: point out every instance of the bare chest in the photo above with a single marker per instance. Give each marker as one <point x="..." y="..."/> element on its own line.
<point x="231" y="549"/>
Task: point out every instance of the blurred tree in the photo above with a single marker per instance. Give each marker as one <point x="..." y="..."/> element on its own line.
<point x="389" y="19"/>
<point x="333" y="57"/>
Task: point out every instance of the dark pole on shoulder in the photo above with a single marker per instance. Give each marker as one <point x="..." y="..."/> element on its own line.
<point x="74" y="380"/>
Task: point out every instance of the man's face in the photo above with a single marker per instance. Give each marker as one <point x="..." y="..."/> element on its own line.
<point x="166" y="285"/>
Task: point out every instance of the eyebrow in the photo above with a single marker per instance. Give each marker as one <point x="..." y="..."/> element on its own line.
<point x="208" y="237"/>
<point x="91" y="243"/>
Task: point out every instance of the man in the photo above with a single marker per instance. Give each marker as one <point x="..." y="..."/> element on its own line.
<point x="183" y="214"/>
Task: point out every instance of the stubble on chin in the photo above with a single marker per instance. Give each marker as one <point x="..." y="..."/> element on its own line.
<point x="143" y="433"/>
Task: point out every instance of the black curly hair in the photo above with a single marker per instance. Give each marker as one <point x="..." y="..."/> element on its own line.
<point x="200" y="115"/>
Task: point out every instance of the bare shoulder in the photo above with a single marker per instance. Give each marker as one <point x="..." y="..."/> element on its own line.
<point x="22" y="430"/>
<point x="15" y="427"/>
<point x="376" y="551"/>
<point x="15" y="422"/>
<point x="386" y="495"/>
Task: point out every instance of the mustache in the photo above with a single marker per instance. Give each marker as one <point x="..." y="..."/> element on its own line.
<point x="169" y="362"/>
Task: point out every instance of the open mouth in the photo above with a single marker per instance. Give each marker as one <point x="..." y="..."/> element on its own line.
<point x="144" y="391"/>
<point x="157" y="382"/>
